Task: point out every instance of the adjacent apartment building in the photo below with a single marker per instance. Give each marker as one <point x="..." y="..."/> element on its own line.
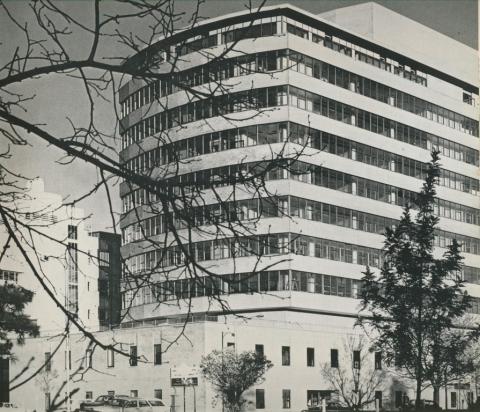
<point x="363" y="106"/>
<point x="80" y="269"/>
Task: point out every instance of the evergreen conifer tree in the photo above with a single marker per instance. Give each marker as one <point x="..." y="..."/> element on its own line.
<point x="418" y="299"/>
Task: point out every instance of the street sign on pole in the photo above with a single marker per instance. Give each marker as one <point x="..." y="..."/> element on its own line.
<point x="184" y="375"/>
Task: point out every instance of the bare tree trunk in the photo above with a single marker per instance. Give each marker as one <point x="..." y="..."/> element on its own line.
<point x="418" y="394"/>
<point x="436" y="394"/>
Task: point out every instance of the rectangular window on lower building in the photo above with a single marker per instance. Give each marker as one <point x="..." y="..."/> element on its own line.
<point x="72" y="232"/>
<point x="111" y="393"/>
<point x="286" y="355"/>
<point x="334" y="358"/>
<point x="260" y="399"/>
<point x="157" y="393"/>
<point x="48" y="361"/>
<point x="259" y="350"/>
<point x="89" y="395"/>
<point x="134" y="393"/>
<point x="157" y="354"/>
<point x="310" y="357"/>
<point x="286" y="398"/>
<point x="356" y="359"/>
<point x="133" y="356"/>
<point x="378" y="360"/>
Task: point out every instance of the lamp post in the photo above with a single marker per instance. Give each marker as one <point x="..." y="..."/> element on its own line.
<point x="223" y="339"/>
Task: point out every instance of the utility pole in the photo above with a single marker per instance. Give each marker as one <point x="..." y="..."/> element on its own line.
<point x="184" y="402"/>
<point x="194" y="399"/>
<point x="223" y="338"/>
<point x="69" y="357"/>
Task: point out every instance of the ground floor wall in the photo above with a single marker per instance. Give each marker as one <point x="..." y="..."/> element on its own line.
<point x="298" y="344"/>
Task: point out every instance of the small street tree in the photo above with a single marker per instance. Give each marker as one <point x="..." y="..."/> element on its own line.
<point x="13" y="321"/>
<point x="417" y="300"/>
<point x="232" y="374"/>
<point x="357" y="377"/>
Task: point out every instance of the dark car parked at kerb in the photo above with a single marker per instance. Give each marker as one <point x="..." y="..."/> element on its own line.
<point x="426" y="405"/>
<point x="100" y="401"/>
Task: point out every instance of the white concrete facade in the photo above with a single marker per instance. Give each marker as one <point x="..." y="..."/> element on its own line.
<point x="449" y="83"/>
<point x="47" y="250"/>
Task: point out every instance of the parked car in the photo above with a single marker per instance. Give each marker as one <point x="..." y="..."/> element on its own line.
<point x="126" y="404"/>
<point x="9" y="406"/>
<point x="102" y="400"/>
<point x="331" y="406"/>
<point x="144" y="405"/>
<point x="426" y="405"/>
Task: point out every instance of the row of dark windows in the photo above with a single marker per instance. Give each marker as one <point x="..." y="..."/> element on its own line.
<point x="133" y="358"/>
<point x="251" y="31"/>
<point x="195" y="45"/>
<point x="261" y="245"/>
<point x="275" y="207"/>
<point x="282" y="95"/>
<point x="287" y="59"/>
<point x="140" y="293"/>
<point x="276" y="25"/>
<point x="334" y="360"/>
<point x="288" y="131"/>
<point x="265" y="281"/>
<point x="249" y="209"/>
<point x="314" y="398"/>
<point x="88" y="360"/>
<point x="8" y="275"/>
<point x="471" y="274"/>
<point x="274" y="244"/>
<point x="378" y="91"/>
<point x="183" y="185"/>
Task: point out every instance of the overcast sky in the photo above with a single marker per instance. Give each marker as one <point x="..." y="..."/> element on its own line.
<point x="455" y="18"/>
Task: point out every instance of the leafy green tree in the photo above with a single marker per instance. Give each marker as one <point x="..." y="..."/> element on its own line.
<point x="232" y="374"/>
<point x="13" y="322"/>
<point x="418" y="297"/>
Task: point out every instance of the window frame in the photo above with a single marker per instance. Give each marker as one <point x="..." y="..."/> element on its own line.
<point x="334" y="361"/>
<point x="259" y="398"/>
<point x="157" y="353"/>
<point x="286" y="356"/>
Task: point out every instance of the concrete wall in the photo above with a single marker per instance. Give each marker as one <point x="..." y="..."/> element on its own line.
<point x="186" y="348"/>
